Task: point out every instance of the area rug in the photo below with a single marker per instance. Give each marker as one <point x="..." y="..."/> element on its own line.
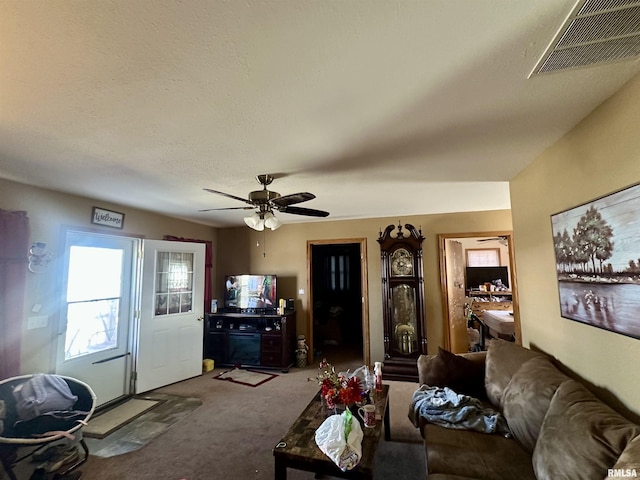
<point x="252" y="378"/>
<point x="104" y="424"/>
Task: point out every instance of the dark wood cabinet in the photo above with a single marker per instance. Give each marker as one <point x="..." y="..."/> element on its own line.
<point x="251" y="340"/>
<point x="271" y="350"/>
<point x="402" y="301"/>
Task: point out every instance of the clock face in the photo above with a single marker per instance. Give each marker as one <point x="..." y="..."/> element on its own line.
<point x="401" y="263"/>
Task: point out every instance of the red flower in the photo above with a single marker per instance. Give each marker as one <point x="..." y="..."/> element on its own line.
<point x="336" y="387"/>
<point x="330" y="402"/>
<point x="326" y="385"/>
<point x="351" y="392"/>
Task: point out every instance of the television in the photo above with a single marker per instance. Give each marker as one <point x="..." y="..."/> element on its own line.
<point x="250" y="293"/>
<point x="476" y="276"/>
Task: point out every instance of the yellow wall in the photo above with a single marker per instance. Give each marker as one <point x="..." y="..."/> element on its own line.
<point x="48" y="212"/>
<point x="599" y="156"/>
<point x="285" y="254"/>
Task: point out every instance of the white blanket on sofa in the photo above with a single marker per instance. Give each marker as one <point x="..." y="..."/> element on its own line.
<point x="442" y="406"/>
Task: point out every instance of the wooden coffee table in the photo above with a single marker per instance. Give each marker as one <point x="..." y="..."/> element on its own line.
<point x="298" y="448"/>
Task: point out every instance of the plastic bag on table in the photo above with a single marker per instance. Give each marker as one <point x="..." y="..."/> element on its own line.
<point x="340" y="438"/>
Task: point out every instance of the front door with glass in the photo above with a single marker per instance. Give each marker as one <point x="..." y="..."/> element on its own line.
<point x="96" y="313"/>
<point x="172" y="310"/>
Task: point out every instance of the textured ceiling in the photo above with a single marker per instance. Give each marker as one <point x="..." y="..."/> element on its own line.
<point x="378" y="107"/>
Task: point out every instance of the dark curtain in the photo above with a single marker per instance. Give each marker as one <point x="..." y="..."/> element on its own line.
<point x="208" y="264"/>
<point x="14" y="259"/>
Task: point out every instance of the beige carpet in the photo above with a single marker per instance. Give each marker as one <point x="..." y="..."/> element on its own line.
<point x="233" y="433"/>
<point x="105" y="423"/>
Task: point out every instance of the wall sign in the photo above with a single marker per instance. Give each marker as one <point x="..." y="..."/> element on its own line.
<point x="100" y="216"/>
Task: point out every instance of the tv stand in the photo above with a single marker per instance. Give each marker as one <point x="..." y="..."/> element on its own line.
<point x="250" y="339"/>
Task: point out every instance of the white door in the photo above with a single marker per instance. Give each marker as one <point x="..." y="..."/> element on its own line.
<point x="96" y="312"/>
<point x="171" y="323"/>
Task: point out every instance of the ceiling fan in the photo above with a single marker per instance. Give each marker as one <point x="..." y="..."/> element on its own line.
<point x="504" y="240"/>
<point x="265" y="201"/>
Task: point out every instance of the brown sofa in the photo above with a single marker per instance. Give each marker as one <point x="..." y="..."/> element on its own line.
<point x="559" y="429"/>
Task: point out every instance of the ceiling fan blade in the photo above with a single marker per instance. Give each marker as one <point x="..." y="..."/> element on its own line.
<point x="228" y="195"/>
<point x="309" y="212"/>
<point x="286" y="200"/>
<point x="227" y="208"/>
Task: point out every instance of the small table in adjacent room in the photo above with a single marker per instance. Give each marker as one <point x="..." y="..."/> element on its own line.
<point x="298" y="448"/>
<point x="499" y="322"/>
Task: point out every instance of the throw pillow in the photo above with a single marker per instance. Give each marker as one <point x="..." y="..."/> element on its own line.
<point x="580" y="436"/>
<point x="456" y="372"/>
<point x="630" y="458"/>
<point x="527" y="397"/>
<point x="503" y="360"/>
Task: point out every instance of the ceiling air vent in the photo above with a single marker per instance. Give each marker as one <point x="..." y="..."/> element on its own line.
<point x="597" y="31"/>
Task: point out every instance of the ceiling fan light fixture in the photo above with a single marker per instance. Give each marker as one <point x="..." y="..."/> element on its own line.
<point x="271" y="221"/>
<point x="266" y="202"/>
<point x="255" y="221"/>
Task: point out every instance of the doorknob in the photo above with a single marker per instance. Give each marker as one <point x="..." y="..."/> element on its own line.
<point x="201" y="318"/>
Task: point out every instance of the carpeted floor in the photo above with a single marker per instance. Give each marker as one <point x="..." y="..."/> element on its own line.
<point x="232" y="434"/>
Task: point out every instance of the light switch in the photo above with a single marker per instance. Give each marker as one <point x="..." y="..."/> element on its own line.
<point x="301" y="291"/>
<point x="37" y="321"/>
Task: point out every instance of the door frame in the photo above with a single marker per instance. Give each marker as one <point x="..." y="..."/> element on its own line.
<point x="366" y="331"/>
<point x="446" y="320"/>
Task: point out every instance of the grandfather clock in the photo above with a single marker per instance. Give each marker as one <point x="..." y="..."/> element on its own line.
<point x="402" y="301"/>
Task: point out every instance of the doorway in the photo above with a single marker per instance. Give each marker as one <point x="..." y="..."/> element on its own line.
<point x="338" y="320"/>
<point x="132" y="322"/>
<point x="454" y="250"/>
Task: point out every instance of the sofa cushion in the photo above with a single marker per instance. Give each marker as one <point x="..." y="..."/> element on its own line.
<point x="527" y="397"/>
<point x="630" y="458"/>
<point x="503" y="360"/>
<point x="458" y="373"/>
<point x="464" y="453"/>
<point x="580" y="434"/>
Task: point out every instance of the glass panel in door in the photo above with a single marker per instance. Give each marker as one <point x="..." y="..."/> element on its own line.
<point x="93" y="302"/>
<point x="404" y="320"/>
<point x="174" y="283"/>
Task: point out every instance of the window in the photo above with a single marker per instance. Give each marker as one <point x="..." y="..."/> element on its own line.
<point x="174" y="285"/>
<point x="483" y="257"/>
<point x="338" y="273"/>
<point x="93" y="301"/>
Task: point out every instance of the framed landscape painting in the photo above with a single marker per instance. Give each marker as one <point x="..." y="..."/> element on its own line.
<point x="597" y="251"/>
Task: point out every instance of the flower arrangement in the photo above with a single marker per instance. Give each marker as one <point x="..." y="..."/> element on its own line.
<point x="337" y="387"/>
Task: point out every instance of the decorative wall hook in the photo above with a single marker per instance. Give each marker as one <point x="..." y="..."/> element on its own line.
<point x="39" y="258"/>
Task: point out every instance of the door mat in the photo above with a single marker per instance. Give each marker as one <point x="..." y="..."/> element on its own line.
<point x="102" y="425"/>
<point x="252" y="378"/>
<point x="170" y="410"/>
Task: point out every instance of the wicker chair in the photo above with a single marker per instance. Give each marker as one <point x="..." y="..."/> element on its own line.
<point x="15" y="448"/>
